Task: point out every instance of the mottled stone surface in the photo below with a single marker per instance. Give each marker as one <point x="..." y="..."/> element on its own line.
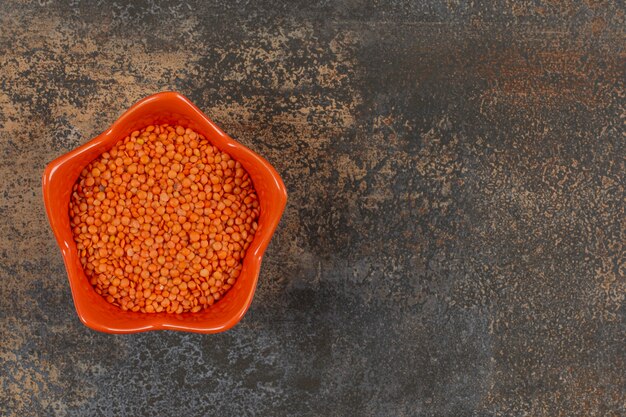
<point x="454" y="239"/>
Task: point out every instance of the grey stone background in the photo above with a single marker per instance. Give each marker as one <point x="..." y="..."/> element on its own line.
<point x="454" y="239"/>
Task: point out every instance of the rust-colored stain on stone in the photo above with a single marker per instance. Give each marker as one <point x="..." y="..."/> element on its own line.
<point x="454" y="238"/>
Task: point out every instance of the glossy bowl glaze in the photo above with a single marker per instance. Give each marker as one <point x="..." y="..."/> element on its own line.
<point x="61" y="174"/>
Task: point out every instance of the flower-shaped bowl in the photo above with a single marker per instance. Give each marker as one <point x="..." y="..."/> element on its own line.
<point x="61" y="174"/>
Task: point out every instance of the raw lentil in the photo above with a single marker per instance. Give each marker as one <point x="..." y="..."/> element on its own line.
<point x="162" y="221"/>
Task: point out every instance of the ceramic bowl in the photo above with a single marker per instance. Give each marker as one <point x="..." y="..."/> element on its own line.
<point x="61" y="174"/>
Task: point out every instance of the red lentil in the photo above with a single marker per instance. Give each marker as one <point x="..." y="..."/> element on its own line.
<point x="162" y="221"/>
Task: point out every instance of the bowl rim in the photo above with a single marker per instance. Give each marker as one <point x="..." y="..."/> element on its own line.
<point x="163" y="321"/>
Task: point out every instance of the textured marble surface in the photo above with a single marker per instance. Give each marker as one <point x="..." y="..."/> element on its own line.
<point x="454" y="240"/>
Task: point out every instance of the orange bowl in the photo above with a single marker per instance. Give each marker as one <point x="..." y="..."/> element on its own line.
<point x="61" y="174"/>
